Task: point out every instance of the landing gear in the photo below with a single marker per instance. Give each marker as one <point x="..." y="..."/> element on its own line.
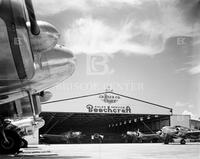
<point x="139" y="140"/>
<point x="10" y="138"/>
<point x="154" y="141"/>
<point x="183" y="142"/>
<point x="11" y="134"/>
<point x="167" y="139"/>
<point x="11" y="144"/>
<point x="24" y="143"/>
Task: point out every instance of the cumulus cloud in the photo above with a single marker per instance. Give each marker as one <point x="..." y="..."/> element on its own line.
<point x="144" y="29"/>
<point x="195" y="70"/>
<point x="93" y="36"/>
<point x="186" y="112"/>
<point x="51" y="7"/>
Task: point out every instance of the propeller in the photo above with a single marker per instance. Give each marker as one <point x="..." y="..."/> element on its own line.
<point x="35" y="30"/>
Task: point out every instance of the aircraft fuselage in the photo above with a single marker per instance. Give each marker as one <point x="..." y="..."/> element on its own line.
<point x="27" y="61"/>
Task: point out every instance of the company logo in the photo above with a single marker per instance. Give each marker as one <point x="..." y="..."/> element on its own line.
<point x="109" y="109"/>
<point x="109" y="98"/>
<point x="98" y="64"/>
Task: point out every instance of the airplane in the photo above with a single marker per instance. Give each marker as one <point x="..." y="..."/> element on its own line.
<point x="168" y="133"/>
<point x="97" y="138"/>
<point x="64" y="138"/>
<point x="137" y="136"/>
<point x="153" y="138"/>
<point x="31" y="61"/>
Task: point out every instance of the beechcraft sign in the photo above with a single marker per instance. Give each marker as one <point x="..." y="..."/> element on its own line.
<point x="110" y="105"/>
<point x="108" y="109"/>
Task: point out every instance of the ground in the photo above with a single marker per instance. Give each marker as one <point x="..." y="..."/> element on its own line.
<point x="110" y="151"/>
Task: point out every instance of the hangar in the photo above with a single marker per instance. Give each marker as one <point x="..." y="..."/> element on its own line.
<point x="106" y="112"/>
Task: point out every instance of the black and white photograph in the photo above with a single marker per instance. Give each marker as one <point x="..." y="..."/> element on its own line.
<point x="99" y="79"/>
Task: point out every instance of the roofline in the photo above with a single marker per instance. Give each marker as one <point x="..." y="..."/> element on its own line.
<point x="66" y="99"/>
<point x="135" y="115"/>
<point x="195" y="120"/>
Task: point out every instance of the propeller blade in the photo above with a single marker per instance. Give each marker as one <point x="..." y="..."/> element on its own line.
<point x="35" y="30"/>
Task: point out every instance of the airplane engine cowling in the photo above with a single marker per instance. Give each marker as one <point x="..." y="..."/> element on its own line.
<point x="46" y="40"/>
<point x="52" y="67"/>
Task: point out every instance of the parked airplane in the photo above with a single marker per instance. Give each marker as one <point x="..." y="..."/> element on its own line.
<point x="31" y="61"/>
<point x="137" y="136"/>
<point x="97" y="138"/>
<point x="168" y="133"/>
<point x="65" y="138"/>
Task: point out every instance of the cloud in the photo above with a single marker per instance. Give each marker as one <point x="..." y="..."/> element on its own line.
<point x="93" y="36"/>
<point x="182" y="104"/>
<point x="186" y="112"/>
<point x="109" y="26"/>
<point x="51" y="7"/>
<point x="195" y="70"/>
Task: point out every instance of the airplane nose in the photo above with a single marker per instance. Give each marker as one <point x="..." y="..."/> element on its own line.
<point x="64" y="50"/>
<point x="61" y="61"/>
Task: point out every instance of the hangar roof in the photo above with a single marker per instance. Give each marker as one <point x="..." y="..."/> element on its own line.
<point x="106" y="102"/>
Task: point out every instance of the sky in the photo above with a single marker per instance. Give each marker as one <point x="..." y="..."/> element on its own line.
<point x="146" y="49"/>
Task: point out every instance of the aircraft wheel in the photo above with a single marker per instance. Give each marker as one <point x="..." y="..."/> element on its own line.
<point x="167" y="139"/>
<point x="154" y="140"/>
<point x="125" y="140"/>
<point x="166" y="142"/>
<point x="13" y="145"/>
<point x="183" y="142"/>
<point x="140" y="140"/>
<point x="24" y="143"/>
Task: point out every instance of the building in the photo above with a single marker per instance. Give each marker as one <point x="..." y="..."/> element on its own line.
<point x="195" y="124"/>
<point x="104" y="112"/>
<point x="109" y="113"/>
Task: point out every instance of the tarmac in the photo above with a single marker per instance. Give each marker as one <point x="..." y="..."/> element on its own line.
<point x="109" y="151"/>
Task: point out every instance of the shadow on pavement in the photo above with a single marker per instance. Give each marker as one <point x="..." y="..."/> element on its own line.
<point x="42" y="157"/>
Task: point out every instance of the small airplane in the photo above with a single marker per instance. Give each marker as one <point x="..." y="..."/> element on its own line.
<point x="137" y="136"/>
<point x="153" y="138"/>
<point x="64" y="138"/>
<point x="97" y="138"/>
<point x="31" y="61"/>
<point x="168" y="133"/>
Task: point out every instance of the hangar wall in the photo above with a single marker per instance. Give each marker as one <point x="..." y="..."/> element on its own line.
<point x="106" y="113"/>
<point x="106" y="102"/>
<point x="183" y="120"/>
<point x="195" y="124"/>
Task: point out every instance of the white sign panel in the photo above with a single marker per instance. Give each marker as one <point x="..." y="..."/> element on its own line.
<point x="105" y="103"/>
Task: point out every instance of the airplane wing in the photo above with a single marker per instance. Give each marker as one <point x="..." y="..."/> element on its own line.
<point x="192" y="135"/>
